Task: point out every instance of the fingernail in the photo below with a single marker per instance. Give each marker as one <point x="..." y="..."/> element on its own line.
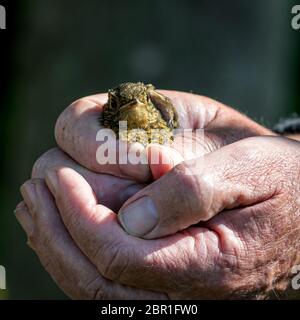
<point x="20" y="207"/>
<point x="140" y="217"/>
<point x="29" y="193"/>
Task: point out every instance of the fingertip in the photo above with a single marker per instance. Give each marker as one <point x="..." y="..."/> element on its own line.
<point x="28" y="192"/>
<point x="162" y="159"/>
<point x="20" y="206"/>
<point x="70" y="189"/>
<point x="50" y="158"/>
<point x="24" y="218"/>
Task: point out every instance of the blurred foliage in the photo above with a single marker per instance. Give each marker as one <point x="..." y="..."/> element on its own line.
<point x="243" y="53"/>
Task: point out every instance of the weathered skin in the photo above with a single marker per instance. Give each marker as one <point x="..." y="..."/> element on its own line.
<point x="245" y="250"/>
<point x="78" y="125"/>
<point x="142" y="108"/>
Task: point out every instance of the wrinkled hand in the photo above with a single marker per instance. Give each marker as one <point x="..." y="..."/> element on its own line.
<point x="240" y="213"/>
<point x="77" y="127"/>
<point x="75" y="132"/>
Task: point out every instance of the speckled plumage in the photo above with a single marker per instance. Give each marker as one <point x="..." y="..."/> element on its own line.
<point x="143" y="108"/>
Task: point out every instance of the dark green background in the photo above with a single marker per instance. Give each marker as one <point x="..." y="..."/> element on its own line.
<point x="243" y="53"/>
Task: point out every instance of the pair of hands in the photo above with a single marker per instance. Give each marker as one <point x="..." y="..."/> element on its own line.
<point x="218" y="223"/>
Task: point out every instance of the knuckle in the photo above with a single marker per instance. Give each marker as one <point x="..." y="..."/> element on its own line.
<point x="195" y="188"/>
<point x="99" y="295"/>
<point x="92" y="290"/>
<point x="117" y="262"/>
<point x="32" y="240"/>
<point x="39" y="239"/>
<point x="187" y="179"/>
<point x="40" y="166"/>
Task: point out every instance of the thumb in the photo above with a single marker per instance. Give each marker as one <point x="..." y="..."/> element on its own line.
<point x="196" y="190"/>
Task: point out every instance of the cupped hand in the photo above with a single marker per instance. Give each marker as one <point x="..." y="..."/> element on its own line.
<point x="249" y="191"/>
<point x="58" y="253"/>
<point x="78" y="126"/>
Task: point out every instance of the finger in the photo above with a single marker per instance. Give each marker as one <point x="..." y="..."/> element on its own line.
<point x="110" y="191"/>
<point x="28" y="192"/>
<point x="78" y="207"/>
<point x="162" y="159"/>
<point x="233" y="176"/>
<point x="78" y="127"/>
<point x="23" y="217"/>
<point x="96" y="231"/>
<point x="120" y="257"/>
<point x="64" y="261"/>
<point x="78" y="133"/>
<point x="187" y="145"/>
<point x="152" y="264"/>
